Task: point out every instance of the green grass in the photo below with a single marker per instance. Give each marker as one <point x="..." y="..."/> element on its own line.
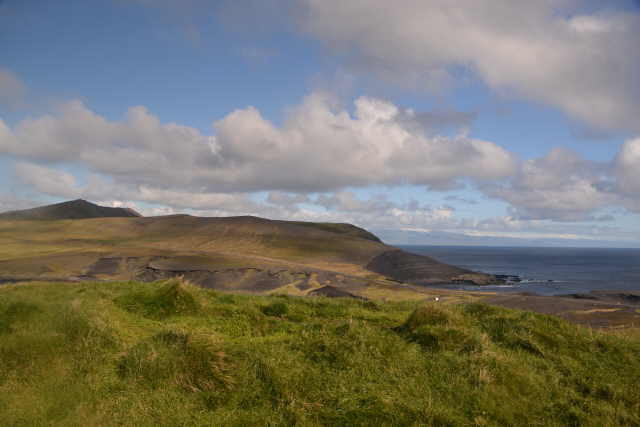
<point x="339" y="228"/>
<point x="32" y="248"/>
<point x="171" y="354"/>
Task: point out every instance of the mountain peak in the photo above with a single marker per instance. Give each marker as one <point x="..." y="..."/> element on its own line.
<point x="73" y="209"/>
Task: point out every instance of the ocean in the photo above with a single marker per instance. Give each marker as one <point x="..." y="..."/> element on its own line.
<point x="544" y="271"/>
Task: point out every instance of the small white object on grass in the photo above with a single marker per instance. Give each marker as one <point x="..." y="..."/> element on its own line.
<point x="436" y="299"/>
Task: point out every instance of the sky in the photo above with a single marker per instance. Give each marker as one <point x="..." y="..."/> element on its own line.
<point x="489" y="122"/>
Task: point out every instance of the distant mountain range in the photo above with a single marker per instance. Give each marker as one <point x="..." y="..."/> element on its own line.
<point x="74" y="209"/>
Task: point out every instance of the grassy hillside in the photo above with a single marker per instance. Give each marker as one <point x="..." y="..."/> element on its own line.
<point x="340" y="228"/>
<point x="245" y="254"/>
<point x="168" y="353"/>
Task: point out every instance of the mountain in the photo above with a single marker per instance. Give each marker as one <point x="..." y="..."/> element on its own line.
<point x="239" y="254"/>
<point x="75" y="209"/>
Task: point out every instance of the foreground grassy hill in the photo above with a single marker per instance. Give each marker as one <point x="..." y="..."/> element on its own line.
<point x="242" y="254"/>
<point x="167" y="353"/>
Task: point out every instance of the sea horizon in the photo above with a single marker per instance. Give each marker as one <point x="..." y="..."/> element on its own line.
<point x="544" y="270"/>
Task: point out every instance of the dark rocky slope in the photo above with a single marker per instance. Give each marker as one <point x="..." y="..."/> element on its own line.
<point x="422" y="270"/>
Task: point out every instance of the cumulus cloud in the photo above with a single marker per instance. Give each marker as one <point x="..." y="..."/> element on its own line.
<point x="319" y="148"/>
<point x="579" y="59"/>
<point x="349" y="202"/>
<point x="628" y="167"/>
<point x="375" y="212"/>
<point x="140" y="147"/>
<point x="58" y="183"/>
<point x="435" y="122"/>
<point x="46" y="180"/>
<point x="560" y="186"/>
<point x="341" y="206"/>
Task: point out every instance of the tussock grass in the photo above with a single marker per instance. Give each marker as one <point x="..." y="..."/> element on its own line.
<point x="174" y="297"/>
<point x="14" y="313"/>
<point x="177" y="359"/>
<point x="168" y="353"/>
<point x="277" y="308"/>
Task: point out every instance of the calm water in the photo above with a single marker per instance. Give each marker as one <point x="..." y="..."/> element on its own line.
<point x="545" y="271"/>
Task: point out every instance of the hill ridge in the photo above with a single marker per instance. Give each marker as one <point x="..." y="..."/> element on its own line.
<point x="72" y="209"/>
<point x="242" y="253"/>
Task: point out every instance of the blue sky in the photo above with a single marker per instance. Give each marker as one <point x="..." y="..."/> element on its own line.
<point x="485" y="119"/>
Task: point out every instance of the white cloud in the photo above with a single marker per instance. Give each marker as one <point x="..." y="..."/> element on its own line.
<point x="563" y="186"/>
<point x="628" y="167"/>
<point x="560" y="186"/>
<point x="46" y="180"/>
<point x="58" y="183"/>
<point x="553" y="52"/>
<point x="375" y="212"/>
<point x="319" y="148"/>
<point x="138" y="148"/>
<point x="349" y="202"/>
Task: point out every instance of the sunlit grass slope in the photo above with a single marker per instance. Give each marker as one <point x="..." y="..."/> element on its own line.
<point x="245" y="254"/>
<point x="28" y="246"/>
<point x="168" y="353"/>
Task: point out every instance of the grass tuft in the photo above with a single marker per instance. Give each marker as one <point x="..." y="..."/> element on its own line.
<point x="439" y="338"/>
<point x="428" y="315"/>
<point x="174" y="297"/>
<point x="177" y="359"/>
<point x="439" y="328"/>
<point x="16" y="312"/>
<point x="276" y="309"/>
